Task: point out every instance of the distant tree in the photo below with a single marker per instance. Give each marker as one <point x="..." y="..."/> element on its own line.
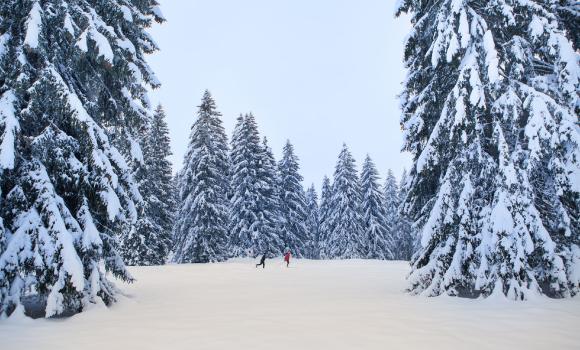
<point x="254" y="208"/>
<point x="293" y="204"/>
<point x="312" y="222"/>
<point x="150" y="239"/>
<point x="391" y="199"/>
<point x="405" y="242"/>
<point x="376" y="230"/>
<point x="201" y="228"/>
<point x="346" y="238"/>
<point x="269" y="177"/>
<point x="324" y="217"/>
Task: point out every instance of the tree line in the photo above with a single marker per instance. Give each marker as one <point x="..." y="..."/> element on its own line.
<point x="236" y="200"/>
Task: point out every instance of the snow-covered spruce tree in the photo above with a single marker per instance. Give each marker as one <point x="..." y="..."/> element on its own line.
<point x="346" y="238"/>
<point x="269" y="178"/>
<point x="254" y="207"/>
<point x="406" y="243"/>
<point x="489" y="115"/>
<point x="159" y="188"/>
<point x="403" y="243"/>
<point x="200" y="231"/>
<point x="376" y="231"/>
<point x="293" y="204"/>
<point x="150" y="239"/>
<point x="324" y="227"/>
<point x="391" y="198"/>
<point x="312" y="223"/>
<point x="73" y="82"/>
<point x="175" y="184"/>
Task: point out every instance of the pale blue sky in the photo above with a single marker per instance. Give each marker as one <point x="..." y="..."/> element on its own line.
<point x="319" y="73"/>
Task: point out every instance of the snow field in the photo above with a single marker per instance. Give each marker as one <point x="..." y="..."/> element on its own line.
<point x="350" y="304"/>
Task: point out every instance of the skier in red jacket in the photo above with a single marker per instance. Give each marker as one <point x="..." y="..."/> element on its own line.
<point x="287" y="258"/>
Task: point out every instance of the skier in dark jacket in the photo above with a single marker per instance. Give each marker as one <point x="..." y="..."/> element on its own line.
<point x="262" y="261"/>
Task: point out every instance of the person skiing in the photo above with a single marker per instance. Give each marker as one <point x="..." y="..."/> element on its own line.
<point x="287" y="258"/>
<point x="262" y="261"/>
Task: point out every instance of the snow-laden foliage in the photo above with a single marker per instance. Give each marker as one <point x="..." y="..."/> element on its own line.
<point x="293" y="204"/>
<point x="391" y="198"/>
<point x="376" y="229"/>
<point x="149" y="240"/>
<point x="346" y="238"/>
<point x="313" y="222"/>
<point x="202" y="219"/>
<point x="404" y="240"/>
<point x="254" y="205"/>
<point x="490" y="109"/>
<point x="324" y="216"/>
<point x="271" y="203"/>
<point x="568" y="12"/>
<point x="73" y="81"/>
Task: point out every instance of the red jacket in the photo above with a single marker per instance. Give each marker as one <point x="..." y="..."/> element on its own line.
<point x="287" y="257"/>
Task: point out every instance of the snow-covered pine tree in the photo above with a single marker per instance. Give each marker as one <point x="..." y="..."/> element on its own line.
<point x="376" y="231"/>
<point x="73" y="82"/>
<point x="391" y="200"/>
<point x="176" y="205"/>
<point x="269" y="178"/>
<point x="160" y="192"/>
<point x="175" y="184"/>
<point x="346" y="239"/>
<point x="406" y="243"/>
<point x="293" y="204"/>
<point x="313" y="222"/>
<point x="254" y="224"/>
<point x="149" y="241"/>
<point x="200" y="231"/>
<point x="403" y="243"/>
<point x="489" y="116"/>
<point x="324" y="227"/>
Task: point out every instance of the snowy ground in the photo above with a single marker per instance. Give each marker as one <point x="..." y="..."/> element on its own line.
<point x="312" y="305"/>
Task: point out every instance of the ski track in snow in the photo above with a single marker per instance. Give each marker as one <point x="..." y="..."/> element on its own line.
<point x="351" y="304"/>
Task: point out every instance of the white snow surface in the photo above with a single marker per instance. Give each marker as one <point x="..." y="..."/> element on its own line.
<point x="349" y="304"/>
<point x="103" y="46"/>
<point x="33" y="26"/>
<point x="10" y="124"/>
<point x="68" y="24"/>
<point x="4" y="44"/>
<point x="127" y="13"/>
